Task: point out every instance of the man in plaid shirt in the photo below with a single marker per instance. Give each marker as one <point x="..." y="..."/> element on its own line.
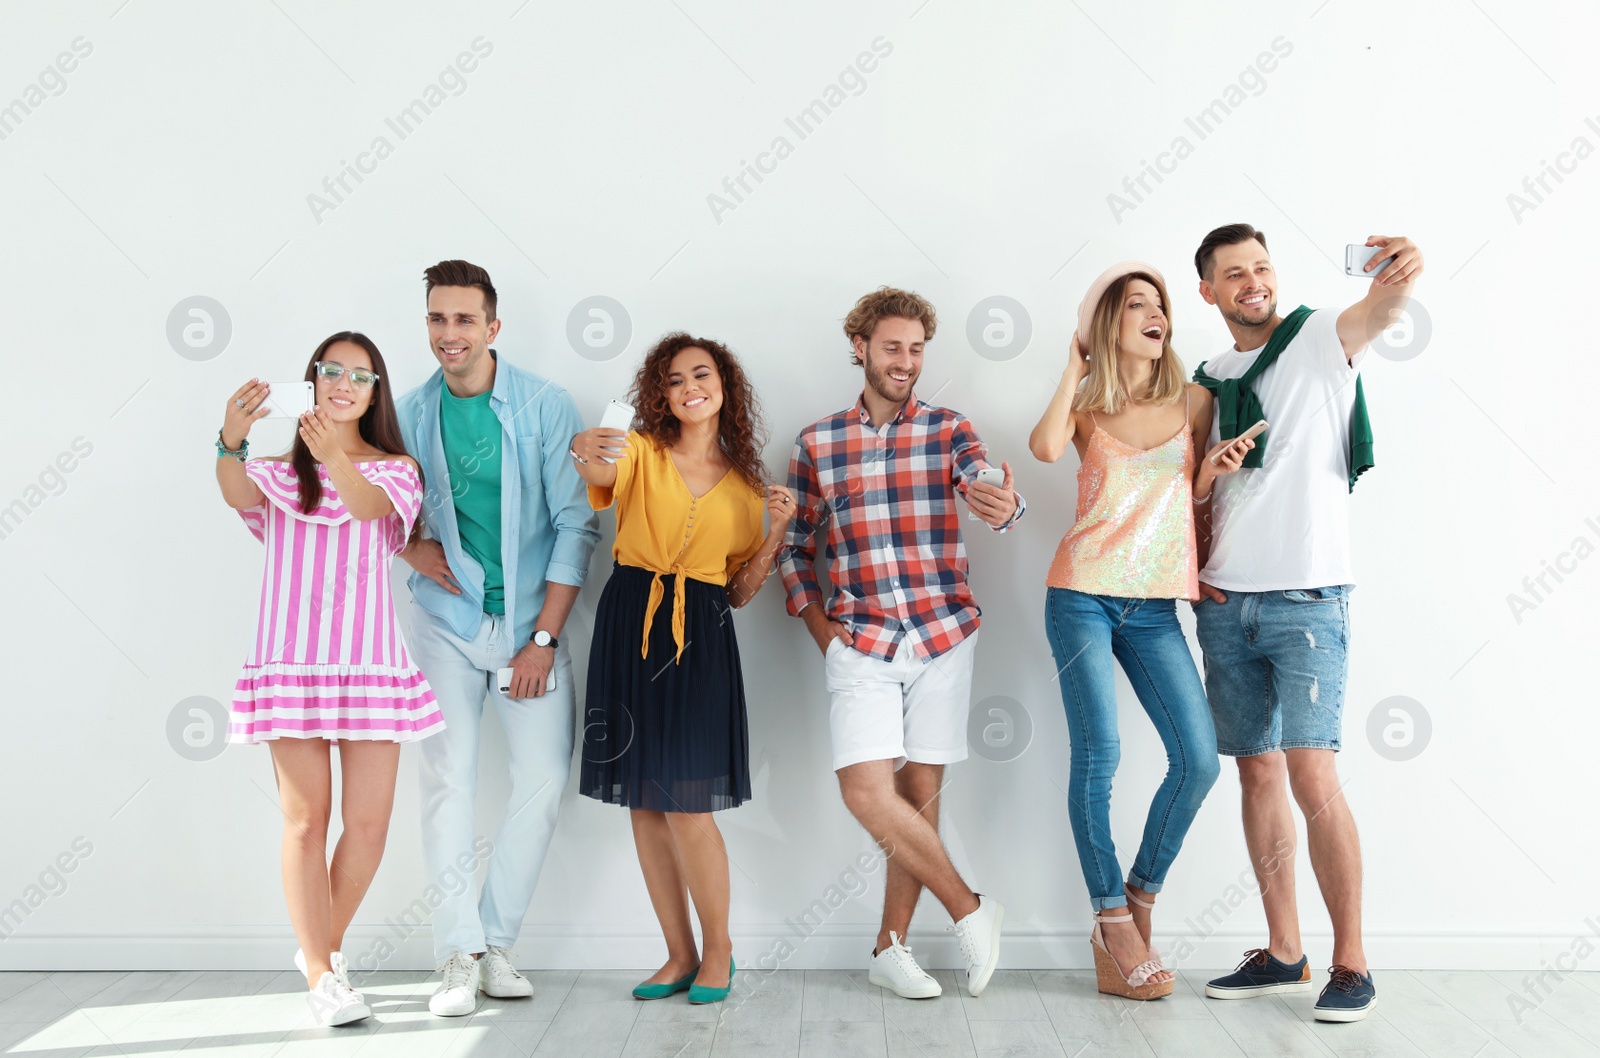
<point x="899" y="634"/>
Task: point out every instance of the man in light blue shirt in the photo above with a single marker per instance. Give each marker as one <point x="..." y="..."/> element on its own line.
<point x="509" y="536"/>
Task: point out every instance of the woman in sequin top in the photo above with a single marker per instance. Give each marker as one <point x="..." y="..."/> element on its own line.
<point x="1112" y="591"/>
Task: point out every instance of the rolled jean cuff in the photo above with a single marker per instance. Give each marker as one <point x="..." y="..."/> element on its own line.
<point x="1141" y="883"/>
<point x="1108" y="903"/>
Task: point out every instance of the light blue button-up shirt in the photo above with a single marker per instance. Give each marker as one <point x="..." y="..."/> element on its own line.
<point x="548" y="531"/>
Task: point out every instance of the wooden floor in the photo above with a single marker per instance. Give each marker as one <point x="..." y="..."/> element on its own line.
<point x="795" y="1013"/>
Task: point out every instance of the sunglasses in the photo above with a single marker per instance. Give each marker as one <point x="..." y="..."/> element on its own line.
<point x="359" y="376"/>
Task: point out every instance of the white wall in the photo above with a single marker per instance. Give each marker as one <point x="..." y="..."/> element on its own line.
<point x="977" y="161"/>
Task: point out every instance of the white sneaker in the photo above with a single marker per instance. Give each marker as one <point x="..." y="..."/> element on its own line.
<point x="979" y="937"/>
<point x="341" y="969"/>
<point x="500" y="978"/>
<point x="458" y="995"/>
<point x="894" y="968"/>
<point x="332" y="1003"/>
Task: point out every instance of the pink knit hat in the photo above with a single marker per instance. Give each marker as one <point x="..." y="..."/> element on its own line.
<point x="1098" y="288"/>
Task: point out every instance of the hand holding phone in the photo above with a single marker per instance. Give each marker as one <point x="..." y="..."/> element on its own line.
<point x="617" y="416"/>
<point x="1356" y="257"/>
<point x="1249" y="435"/>
<point x="503" y="680"/>
<point x="992" y="476"/>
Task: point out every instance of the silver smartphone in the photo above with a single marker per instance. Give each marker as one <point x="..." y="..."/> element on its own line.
<point x="503" y="680"/>
<point x="1356" y="257"/>
<point x="617" y="416"/>
<point x="289" y="400"/>
<point x="989" y="476"/>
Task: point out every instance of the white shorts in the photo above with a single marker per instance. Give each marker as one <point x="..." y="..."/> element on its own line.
<point x="900" y="710"/>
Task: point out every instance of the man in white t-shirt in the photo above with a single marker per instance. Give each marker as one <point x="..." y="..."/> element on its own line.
<point x="1273" y="618"/>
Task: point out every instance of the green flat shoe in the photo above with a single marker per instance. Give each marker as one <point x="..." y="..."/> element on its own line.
<point x="663" y="991"/>
<point x="699" y="994"/>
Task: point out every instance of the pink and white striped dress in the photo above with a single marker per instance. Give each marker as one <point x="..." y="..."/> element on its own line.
<point x="329" y="661"/>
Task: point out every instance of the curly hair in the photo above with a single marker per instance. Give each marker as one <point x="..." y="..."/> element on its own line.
<point x="741" y="430"/>
<point x="881" y="304"/>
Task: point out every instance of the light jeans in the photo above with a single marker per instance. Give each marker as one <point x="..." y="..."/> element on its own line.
<point x="539" y="738"/>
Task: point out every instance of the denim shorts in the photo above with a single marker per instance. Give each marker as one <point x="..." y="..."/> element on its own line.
<point x="1275" y="667"/>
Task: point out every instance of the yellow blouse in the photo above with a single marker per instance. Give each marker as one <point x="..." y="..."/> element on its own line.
<point x="664" y="528"/>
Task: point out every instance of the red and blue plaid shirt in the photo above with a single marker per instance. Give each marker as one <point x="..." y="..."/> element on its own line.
<point x="886" y="497"/>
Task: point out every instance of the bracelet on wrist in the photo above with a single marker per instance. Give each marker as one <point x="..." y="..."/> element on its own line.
<point x="223" y="451"/>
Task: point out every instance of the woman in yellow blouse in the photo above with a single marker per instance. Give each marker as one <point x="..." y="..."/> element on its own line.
<point x="664" y="725"/>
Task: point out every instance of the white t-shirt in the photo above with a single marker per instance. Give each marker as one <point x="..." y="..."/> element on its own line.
<point x="1286" y="524"/>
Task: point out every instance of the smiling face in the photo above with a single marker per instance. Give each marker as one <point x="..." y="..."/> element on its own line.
<point x="458" y="331"/>
<point x="1243" y="285"/>
<point x="694" y="387"/>
<point x="342" y="399"/>
<point x="893" y="357"/>
<point x="1142" y="328"/>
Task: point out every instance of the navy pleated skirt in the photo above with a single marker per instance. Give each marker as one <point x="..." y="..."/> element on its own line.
<point x="660" y="735"/>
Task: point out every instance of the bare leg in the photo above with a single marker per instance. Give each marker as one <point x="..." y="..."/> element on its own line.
<point x="305" y="795"/>
<point x="1335" y="848"/>
<point x="663" y="876"/>
<point x="1269" y="835"/>
<point x="366" y="798"/>
<point x="704" y="863"/>
<point x="906" y="837"/>
<point x="917" y="785"/>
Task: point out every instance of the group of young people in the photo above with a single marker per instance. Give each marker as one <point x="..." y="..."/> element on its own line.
<point x="486" y="482"/>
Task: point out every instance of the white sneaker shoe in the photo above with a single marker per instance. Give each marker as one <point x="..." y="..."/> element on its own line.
<point x="332" y="1003"/>
<point x="458" y="995"/>
<point x="979" y="937"/>
<point x="894" y="968"/>
<point x="500" y="978"/>
<point x="341" y="969"/>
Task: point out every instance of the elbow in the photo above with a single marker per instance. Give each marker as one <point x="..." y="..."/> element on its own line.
<point x="1043" y="450"/>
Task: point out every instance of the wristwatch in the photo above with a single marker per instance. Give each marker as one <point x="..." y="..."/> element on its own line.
<point x="541" y="638"/>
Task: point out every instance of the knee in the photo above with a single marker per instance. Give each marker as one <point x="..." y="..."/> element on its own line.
<point x="1314" y="788"/>
<point x="1203" y="771"/>
<point x="367" y="828"/>
<point x="692" y="827"/>
<point x="1096" y="759"/>
<point x="308" y="828"/>
<point x="863" y="799"/>
<point x="919" y="787"/>
<point x="1261" y="774"/>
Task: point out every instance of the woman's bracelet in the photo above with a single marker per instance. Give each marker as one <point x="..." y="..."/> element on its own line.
<point x="1198" y="502"/>
<point x="239" y="453"/>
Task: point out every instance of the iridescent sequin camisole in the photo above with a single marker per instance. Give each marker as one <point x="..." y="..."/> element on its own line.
<point x="1134" y="535"/>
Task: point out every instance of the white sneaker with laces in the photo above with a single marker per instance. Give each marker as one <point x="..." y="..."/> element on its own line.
<point x="458" y="995"/>
<point x="896" y="969"/>
<point x="332" y="1003"/>
<point x="341" y="969"/>
<point x="500" y="978"/>
<point x="979" y="937"/>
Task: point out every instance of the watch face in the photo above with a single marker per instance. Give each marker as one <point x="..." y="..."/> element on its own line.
<point x="541" y="638"/>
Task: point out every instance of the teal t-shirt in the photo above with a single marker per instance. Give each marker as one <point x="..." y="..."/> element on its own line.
<point x="471" y="436"/>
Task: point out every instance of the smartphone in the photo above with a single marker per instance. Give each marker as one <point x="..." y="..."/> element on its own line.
<point x="617" y="416"/>
<point x="1251" y="434"/>
<point x="1356" y="258"/>
<point x="289" y="400"/>
<point x="989" y="476"/>
<point x="503" y="681"/>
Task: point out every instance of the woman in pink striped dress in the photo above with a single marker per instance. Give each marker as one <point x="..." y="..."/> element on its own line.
<point x="329" y="664"/>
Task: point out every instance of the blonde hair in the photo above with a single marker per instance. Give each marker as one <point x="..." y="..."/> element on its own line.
<point x="1104" y="389"/>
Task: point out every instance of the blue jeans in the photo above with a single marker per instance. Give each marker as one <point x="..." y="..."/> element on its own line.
<point x="1086" y="633"/>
